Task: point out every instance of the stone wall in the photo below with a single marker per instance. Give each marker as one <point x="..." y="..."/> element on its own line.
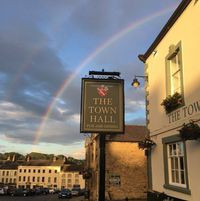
<point x="126" y="173"/>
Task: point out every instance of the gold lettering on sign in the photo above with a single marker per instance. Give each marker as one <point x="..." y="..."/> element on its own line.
<point x="102" y="111"/>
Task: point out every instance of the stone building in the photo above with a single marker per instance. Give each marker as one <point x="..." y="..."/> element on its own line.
<point x="71" y="176"/>
<point x="125" y="165"/>
<point x="173" y="106"/>
<point x="40" y="173"/>
<point x="8" y="171"/>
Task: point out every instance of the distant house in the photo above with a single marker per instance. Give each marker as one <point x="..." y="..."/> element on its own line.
<point x="71" y="176"/>
<point x="56" y="173"/>
<point x="125" y="165"/>
<point x="173" y="106"/>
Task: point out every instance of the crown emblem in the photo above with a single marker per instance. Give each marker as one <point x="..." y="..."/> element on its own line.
<point x="102" y="90"/>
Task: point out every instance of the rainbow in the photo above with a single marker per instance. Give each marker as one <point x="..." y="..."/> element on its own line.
<point x="97" y="51"/>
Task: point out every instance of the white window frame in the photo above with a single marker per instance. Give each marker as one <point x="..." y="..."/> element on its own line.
<point x="174" y="70"/>
<point x="175" y="155"/>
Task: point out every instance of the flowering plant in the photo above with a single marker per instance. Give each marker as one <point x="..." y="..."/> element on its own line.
<point x="190" y="131"/>
<point x="147" y="143"/>
<point x="172" y="102"/>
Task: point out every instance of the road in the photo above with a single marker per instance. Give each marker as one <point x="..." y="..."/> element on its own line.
<point x="39" y="198"/>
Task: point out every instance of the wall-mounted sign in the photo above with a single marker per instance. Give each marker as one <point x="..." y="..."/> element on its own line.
<point x="114" y="180"/>
<point x="184" y="112"/>
<point x="102" y="106"/>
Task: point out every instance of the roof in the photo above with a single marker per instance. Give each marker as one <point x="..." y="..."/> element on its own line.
<point x="72" y="168"/>
<point x="8" y="165"/>
<point x="15" y="164"/>
<point x="43" y="163"/>
<point x="165" y="29"/>
<point x="133" y="133"/>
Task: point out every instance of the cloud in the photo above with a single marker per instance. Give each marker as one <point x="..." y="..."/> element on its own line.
<point x="40" y="46"/>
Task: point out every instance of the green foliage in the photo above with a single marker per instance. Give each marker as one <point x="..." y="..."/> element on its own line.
<point x="190" y="131"/>
<point x="172" y="102"/>
<point x="40" y="156"/>
<point x="11" y="154"/>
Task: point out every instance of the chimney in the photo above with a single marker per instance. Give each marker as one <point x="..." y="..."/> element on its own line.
<point x="28" y="158"/>
<point x="14" y="158"/>
<point x="64" y="159"/>
<point x="54" y="158"/>
<point x="8" y="159"/>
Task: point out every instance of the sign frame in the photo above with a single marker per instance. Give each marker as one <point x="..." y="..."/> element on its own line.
<point x="120" y="82"/>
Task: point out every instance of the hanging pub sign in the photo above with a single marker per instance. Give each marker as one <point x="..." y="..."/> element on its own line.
<point x="102" y="106"/>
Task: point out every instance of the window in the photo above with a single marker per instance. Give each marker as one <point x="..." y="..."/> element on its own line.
<point x="19" y="178"/>
<point x="38" y="171"/>
<point x="55" y="171"/>
<point x="76" y="181"/>
<point x="20" y="170"/>
<point x="76" y="175"/>
<point x="38" y="179"/>
<point x="3" y="173"/>
<point x="175" y="164"/>
<point x="7" y="173"/>
<point x="43" y="171"/>
<point x="29" y="170"/>
<point x="174" y="70"/>
<point x="24" y="170"/>
<point x="69" y="175"/>
<point x="10" y="180"/>
<point x="34" y="171"/>
<point x="6" y="180"/>
<point x="24" y="178"/>
<point x="49" y="179"/>
<point x="42" y="179"/>
<point x="15" y="173"/>
<point x="69" y="181"/>
<point x="55" y="179"/>
<point x="14" y="181"/>
<point x="49" y="171"/>
<point x="2" y="180"/>
<point x="28" y="179"/>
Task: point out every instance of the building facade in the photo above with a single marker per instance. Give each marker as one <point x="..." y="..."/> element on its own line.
<point x="125" y="165"/>
<point x="70" y="176"/>
<point x="32" y="176"/>
<point x="8" y="176"/>
<point x="173" y="106"/>
<point x="54" y="173"/>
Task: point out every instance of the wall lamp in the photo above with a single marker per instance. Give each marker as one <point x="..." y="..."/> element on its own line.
<point x="136" y="83"/>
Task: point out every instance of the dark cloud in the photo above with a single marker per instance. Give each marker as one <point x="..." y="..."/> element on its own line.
<point x="42" y="42"/>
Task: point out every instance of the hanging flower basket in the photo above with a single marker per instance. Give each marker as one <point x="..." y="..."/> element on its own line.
<point x="190" y="131"/>
<point x="87" y="174"/>
<point x="145" y="144"/>
<point x="172" y="102"/>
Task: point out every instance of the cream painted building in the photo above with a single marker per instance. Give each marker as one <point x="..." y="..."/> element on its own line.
<point x="8" y="176"/>
<point x="71" y="176"/>
<point x="125" y="166"/>
<point x="173" y="68"/>
<point x="41" y="173"/>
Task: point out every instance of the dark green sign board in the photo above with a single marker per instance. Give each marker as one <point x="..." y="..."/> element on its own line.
<point x="102" y="106"/>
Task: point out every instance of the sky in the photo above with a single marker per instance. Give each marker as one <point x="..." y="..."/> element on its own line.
<point x="46" y="47"/>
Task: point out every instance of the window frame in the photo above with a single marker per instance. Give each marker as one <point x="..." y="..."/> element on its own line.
<point x="169" y="185"/>
<point x="173" y="51"/>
